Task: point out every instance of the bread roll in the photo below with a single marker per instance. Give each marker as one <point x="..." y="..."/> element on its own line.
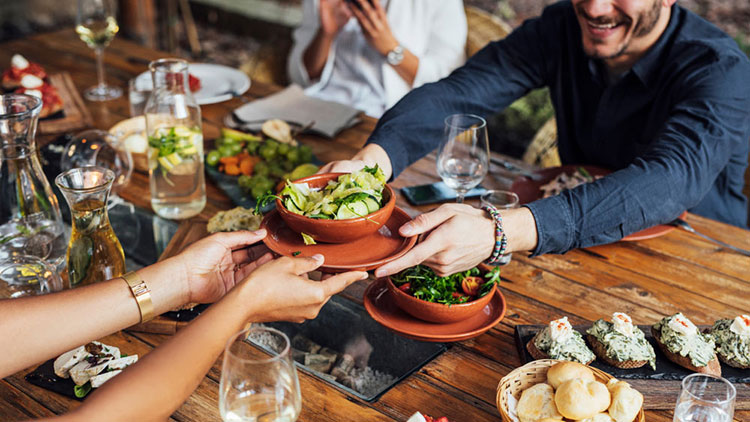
<point x="580" y="399"/>
<point x="601" y="417"/>
<point x="626" y="401"/>
<point x="563" y="371"/>
<point x="537" y="402"/>
<point x="548" y="420"/>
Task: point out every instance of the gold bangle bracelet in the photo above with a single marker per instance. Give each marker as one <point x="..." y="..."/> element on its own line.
<point x="142" y="295"/>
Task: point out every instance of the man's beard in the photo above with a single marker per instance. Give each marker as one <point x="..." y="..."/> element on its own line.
<point x="644" y="25"/>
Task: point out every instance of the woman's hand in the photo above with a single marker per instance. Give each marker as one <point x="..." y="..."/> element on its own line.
<point x="458" y="238"/>
<point x="374" y="22"/>
<point x="334" y="14"/>
<point x="283" y="292"/>
<point x="215" y="264"/>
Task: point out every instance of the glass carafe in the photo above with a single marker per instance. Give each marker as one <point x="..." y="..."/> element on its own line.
<point x="94" y="253"/>
<point x="30" y="221"/>
<point x="173" y="125"/>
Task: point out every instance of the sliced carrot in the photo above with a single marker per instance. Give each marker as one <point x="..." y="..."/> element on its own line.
<point x="229" y="160"/>
<point x="232" y="169"/>
<point x="246" y="166"/>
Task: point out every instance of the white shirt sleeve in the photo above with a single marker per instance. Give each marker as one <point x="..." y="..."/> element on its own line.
<point x="302" y="38"/>
<point x="446" y="42"/>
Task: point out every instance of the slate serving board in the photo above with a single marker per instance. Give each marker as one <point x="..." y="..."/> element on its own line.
<point x="44" y="376"/>
<point x="661" y="387"/>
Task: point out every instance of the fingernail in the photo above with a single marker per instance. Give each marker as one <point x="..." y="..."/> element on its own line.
<point x="407" y="229"/>
<point x="379" y="273"/>
<point x="260" y="232"/>
<point x="318" y="257"/>
<point x="364" y="275"/>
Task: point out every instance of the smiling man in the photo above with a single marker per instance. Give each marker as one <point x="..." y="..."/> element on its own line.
<point x="642" y="87"/>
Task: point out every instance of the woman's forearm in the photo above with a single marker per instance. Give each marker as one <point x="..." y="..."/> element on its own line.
<point x="408" y="67"/>
<point x="158" y="384"/>
<point x="316" y="54"/>
<point x="43" y="327"/>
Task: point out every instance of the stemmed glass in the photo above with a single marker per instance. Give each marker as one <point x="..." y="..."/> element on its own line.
<point x="705" y="398"/>
<point x="258" y="387"/>
<point x="96" y="26"/>
<point x="463" y="155"/>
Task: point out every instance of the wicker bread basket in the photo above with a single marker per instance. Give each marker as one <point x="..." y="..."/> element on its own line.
<point x="533" y="373"/>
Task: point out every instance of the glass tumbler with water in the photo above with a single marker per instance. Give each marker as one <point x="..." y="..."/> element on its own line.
<point x="501" y="200"/>
<point x="463" y="154"/>
<point x="30" y="220"/>
<point x="257" y="386"/>
<point x="175" y="138"/>
<point x="705" y="398"/>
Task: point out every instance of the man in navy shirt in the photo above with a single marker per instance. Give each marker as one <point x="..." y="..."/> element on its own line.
<point x="642" y="87"/>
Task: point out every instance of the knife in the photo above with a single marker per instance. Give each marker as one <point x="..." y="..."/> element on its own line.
<point x="514" y="168"/>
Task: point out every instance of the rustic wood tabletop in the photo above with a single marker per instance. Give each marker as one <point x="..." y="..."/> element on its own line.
<point x="677" y="272"/>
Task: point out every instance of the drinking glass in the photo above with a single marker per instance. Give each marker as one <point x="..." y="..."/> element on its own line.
<point x="463" y="155"/>
<point x="705" y="398"/>
<point x="137" y="97"/>
<point x="99" y="148"/>
<point x="255" y="386"/>
<point x="27" y="275"/>
<point x="96" y="26"/>
<point x="502" y="200"/>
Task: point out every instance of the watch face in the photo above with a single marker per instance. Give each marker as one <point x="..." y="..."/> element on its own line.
<point x="395" y="56"/>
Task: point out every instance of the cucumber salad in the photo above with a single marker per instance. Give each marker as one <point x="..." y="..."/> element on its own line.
<point x="352" y="195"/>
<point x="171" y="147"/>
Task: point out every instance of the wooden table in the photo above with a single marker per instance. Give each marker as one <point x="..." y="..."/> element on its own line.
<point x="647" y="279"/>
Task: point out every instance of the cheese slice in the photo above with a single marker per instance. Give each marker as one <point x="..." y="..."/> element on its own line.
<point x="683" y="326"/>
<point x="560" y="329"/>
<point x="31" y="82"/>
<point x="622" y="324"/>
<point x="741" y="325"/>
<point x="122" y="362"/>
<point x="68" y="360"/>
<point x="98" y="380"/>
<point x="19" y="62"/>
<point x="33" y="92"/>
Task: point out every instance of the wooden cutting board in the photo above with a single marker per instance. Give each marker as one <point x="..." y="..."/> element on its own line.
<point x="660" y="388"/>
<point x="75" y="114"/>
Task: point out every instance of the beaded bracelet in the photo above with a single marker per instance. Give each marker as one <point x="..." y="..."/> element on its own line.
<point x="501" y="240"/>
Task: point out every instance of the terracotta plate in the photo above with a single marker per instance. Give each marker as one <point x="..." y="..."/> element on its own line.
<point x="381" y="307"/>
<point x="364" y="254"/>
<point x="529" y="190"/>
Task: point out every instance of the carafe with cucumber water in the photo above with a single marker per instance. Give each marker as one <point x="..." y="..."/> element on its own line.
<point x="175" y="138"/>
<point x="94" y="252"/>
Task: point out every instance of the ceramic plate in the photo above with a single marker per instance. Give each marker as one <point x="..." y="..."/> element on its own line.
<point x="383" y="309"/>
<point x="218" y="83"/>
<point x="529" y="190"/>
<point x="365" y="254"/>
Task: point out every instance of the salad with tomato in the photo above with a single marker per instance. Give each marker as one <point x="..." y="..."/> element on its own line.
<point x="422" y="283"/>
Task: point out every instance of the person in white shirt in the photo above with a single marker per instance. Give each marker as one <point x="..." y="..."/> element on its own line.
<point x="370" y="53"/>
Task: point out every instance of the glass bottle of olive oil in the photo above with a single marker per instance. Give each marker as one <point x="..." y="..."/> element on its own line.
<point x="94" y="252"/>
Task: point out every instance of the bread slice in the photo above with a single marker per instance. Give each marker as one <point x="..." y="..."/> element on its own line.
<point x="731" y="362"/>
<point x="600" y="350"/>
<point x="538" y="354"/>
<point x="713" y="367"/>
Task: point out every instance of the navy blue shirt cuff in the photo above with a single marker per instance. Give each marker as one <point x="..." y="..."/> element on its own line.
<point x="554" y="225"/>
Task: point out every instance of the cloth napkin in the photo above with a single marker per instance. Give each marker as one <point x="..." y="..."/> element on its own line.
<point x="296" y="108"/>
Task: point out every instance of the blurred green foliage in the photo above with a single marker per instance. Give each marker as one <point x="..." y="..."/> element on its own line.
<point x="512" y="130"/>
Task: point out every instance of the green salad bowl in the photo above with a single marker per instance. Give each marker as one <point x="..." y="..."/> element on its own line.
<point x="337" y="231"/>
<point x="437" y="312"/>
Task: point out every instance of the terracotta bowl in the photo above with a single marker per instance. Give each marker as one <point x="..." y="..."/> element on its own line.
<point x="437" y="312"/>
<point x="337" y="231"/>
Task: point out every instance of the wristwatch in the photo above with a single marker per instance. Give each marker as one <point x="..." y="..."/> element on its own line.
<point x="395" y="56"/>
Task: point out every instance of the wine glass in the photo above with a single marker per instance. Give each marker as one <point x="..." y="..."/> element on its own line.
<point x="96" y="26"/>
<point x="463" y="155"/>
<point x="257" y="386"/>
<point x="705" y="398"/>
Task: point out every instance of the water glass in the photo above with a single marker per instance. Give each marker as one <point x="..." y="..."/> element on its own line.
<point x="463" y="154"/>
<point x="257" y="386"/>
<point x="137" y="96"/>
<point x="502" y="200"/>
<point x="705" y="398"/>
<point x="26" y="275"/>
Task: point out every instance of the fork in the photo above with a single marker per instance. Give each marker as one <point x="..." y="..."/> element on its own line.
<point x="684" y="224"/>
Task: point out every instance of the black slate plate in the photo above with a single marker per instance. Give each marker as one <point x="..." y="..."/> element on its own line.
<point x="44" y="376"/>
<point x="665" y="368"/>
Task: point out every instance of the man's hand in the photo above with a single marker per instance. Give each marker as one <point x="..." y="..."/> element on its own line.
<point x="282" y="291"/>
<point x="370" y="155"/>
<point x="374" y="23"/>
<point x="458" y="238"/>
<point x="215" y="264"/>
